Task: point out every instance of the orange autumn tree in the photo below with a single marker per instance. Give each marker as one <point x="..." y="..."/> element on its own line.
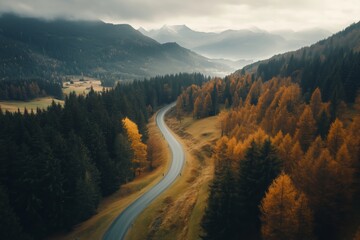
<point x="285" y="212"/>
<point x="139" y="160"/>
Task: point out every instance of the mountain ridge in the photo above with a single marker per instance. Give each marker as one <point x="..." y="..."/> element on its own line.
<point x="31" y="47"/>
<point x="232" y="44"/>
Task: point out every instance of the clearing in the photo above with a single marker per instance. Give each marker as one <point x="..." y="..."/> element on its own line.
<point x="81" y="85"/>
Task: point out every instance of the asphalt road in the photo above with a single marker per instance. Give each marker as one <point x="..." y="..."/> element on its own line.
<point x="124" y="221"/>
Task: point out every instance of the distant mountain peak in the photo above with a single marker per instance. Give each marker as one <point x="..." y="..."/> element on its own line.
<point x="116" y="51"/>
<point x="141" y="29"/>
<point x="251" y="43"/>
<point x="175" y="28"/>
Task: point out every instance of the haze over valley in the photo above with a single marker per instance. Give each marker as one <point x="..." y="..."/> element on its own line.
<point x="237" y="45"/>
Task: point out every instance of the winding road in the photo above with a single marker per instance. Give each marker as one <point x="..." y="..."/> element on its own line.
<point x="122" y="223"/>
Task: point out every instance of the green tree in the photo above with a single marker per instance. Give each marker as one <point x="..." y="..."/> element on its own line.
<point x="220" y="221"/>
<point x="10" y="227"/>
<point x="256" y="172"/>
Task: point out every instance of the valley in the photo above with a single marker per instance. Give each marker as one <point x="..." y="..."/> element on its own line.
<point x="246" y="128"/>
<point x="162" y="219"/>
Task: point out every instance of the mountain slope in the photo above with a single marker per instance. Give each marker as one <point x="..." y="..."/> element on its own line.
<point x="332" y="64"/>
<point x="32" y="47"/>
<point x="236" y="44"/>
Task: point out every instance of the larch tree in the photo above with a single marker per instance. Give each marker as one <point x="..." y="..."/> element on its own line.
<point x="295" y="156"/>
<point x="306" y="128"/>
<point x="285" y="213"/>
<point x="277" y="140"/>
<point x="139" y="148"/>
<point x="207" y="108"/>
<point x="235" y="100"/>
<point x="285" y="150"/>
<point x="323" y="181"/>
<point x="198" y="107"/>
<point x="336" y="137"/>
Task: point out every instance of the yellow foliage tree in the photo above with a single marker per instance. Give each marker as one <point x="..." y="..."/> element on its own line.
<point x="198" y="107"/>
<point x="138" y="147"/>
<point x="285" y="212"/>
<point x="306" y="128"/>
<point x="295" y="156"/>
<point x="207" y="105"/>
<point x="336" y="137"/>
<point x="285" y="148"/>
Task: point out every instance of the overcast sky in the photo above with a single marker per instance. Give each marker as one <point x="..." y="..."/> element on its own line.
<point x="203" y="15"/>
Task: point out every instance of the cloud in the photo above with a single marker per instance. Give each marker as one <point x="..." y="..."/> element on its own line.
<point x="201" y="14"/>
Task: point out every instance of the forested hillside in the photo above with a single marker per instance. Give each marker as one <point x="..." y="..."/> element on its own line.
<point x="331" y="64"/>
<point x="287" y="166"/>
<point x="32" y="48"/>
<point x="270" y="132"/>
<point x="56" y="164"/>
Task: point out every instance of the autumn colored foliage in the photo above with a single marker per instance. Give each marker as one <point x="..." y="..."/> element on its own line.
<point x="139" y="148"/>
<point x="317" y="152"/>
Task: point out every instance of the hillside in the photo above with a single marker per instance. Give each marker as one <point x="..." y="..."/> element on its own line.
<point x="31" y="47"/>
<point x="236" y="44"/>
<point x="331" y="64"/>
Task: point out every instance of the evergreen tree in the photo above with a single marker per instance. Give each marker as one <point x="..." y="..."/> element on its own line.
<point x="9" y="224"/>
<point x="220" y="220"/>
<point x="257" y="170"/>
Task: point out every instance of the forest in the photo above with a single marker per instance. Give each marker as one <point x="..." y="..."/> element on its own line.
<point x="56" y="164"/>
<point x="285" y="167"/>
<point x="25" y="90"/>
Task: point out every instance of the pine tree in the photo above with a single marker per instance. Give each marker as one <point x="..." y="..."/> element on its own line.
<point x="316" y="103"/>
<point x="123" y="157"/>
<point x="256" y="172"/>
<point x="219" y="221"/>
<point x="10" y="227"/>
<point x="323" y="123"/>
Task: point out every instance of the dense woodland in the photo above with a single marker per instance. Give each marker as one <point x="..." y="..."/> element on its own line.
<point x="56" y="164"/>
<point x="24" y="90"/>
<point x="335" y="71"/>
<point x="31" y="48"/>
<point x="285" y="168"/>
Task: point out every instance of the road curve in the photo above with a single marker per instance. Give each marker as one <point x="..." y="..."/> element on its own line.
<point x="122" y="223"/>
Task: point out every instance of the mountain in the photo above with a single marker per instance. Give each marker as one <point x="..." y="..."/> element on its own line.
<point x="31" y="47"/>
<point x="332" y="64"/>
<point x="236" y="44"/>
